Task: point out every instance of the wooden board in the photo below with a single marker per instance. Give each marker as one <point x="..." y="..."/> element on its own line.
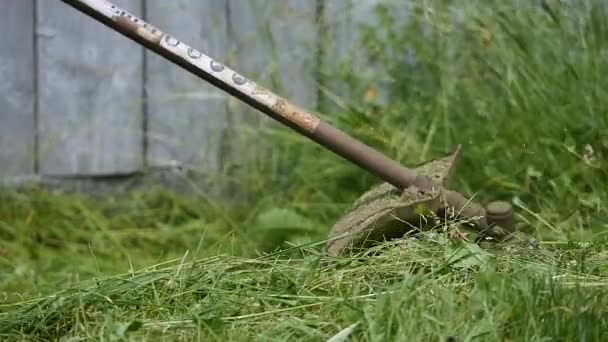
<point x="90" y="91"/>
<point x="342" y="47"/>
<point x="17" y="72"/>
<point x="274" y="43"/>
<point x="186" y="116"/>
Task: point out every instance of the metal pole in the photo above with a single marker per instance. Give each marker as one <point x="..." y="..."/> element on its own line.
<point x="251" y="93"/>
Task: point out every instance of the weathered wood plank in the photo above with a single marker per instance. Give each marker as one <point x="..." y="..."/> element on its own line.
<point x="274" y="43"/>
<point x="186" y="116"/>
<point x="90" y="87"/>
<point x="17" y="72"/>
<point x="342" y="49"/>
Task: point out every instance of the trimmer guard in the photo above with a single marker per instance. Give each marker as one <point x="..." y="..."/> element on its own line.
<point x="386" y="212"/>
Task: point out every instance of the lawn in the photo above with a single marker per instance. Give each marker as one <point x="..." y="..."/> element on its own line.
<point x="521" y="86"/>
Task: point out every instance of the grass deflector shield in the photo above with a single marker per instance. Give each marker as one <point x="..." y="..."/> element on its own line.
<point x="418" y="185"/>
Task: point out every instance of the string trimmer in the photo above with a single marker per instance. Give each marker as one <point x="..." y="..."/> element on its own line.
<point x="409" y="196"/>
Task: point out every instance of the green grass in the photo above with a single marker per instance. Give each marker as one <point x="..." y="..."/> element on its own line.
<point x="520" y="87"/>
<point x="429" y="288"/>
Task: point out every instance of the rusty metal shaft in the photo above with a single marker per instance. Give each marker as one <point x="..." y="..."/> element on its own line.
<point x="251" y="93"/>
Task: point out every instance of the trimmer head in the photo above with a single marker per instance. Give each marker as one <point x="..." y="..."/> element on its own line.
<point x="386" y="212"/>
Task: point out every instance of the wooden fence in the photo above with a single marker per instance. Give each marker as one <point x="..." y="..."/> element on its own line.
<point x="77" y="98"/>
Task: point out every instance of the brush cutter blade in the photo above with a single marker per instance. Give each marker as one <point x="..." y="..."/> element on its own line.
<point x="386" y="212"/>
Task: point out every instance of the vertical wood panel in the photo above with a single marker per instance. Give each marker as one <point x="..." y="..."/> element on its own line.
<point x="274" y="43"/>
<point x="186" y="116"/>
<point x="343" y="50"/>
<point x="17" y="72"/>
<point x="90" y="82"/>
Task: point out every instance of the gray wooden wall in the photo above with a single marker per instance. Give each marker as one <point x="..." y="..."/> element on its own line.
<point x="79" y="99"/>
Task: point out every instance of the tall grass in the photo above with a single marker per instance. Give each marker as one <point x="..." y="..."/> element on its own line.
<point x="517" y="83"/>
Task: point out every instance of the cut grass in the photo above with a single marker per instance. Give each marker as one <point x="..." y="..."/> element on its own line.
<point x="429" y="288"/>
<point x="519" y="84"/>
